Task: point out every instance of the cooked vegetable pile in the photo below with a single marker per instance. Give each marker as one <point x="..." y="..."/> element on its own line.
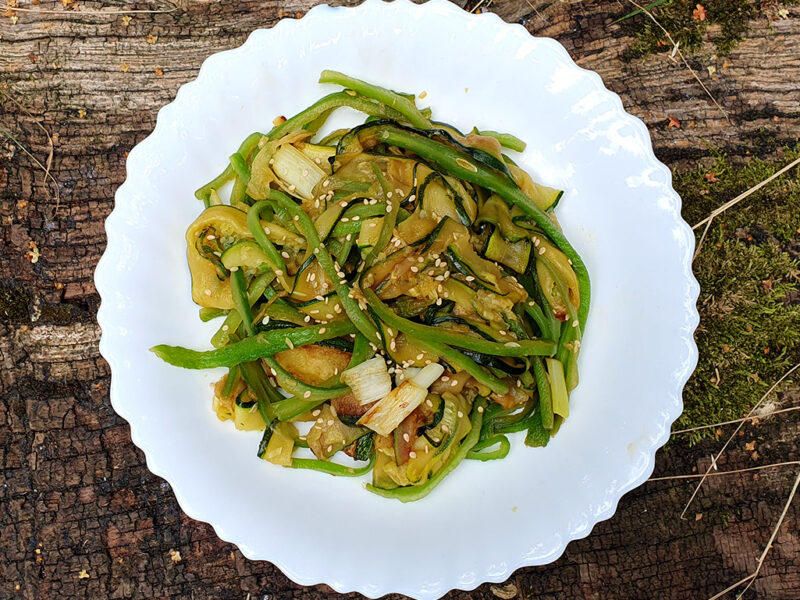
<point x="407" y="286"/>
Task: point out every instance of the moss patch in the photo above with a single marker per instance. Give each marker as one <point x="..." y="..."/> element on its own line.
<point x="749" y="275"/>
<point x="678" y="18"/>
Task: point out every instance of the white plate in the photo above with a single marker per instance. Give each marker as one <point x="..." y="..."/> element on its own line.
<point x="486" y="519"/>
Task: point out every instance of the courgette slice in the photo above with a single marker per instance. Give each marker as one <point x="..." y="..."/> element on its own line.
<point x="246" y="416"/>
<point x="246" y="255"/>
<point x="514" y="255"/>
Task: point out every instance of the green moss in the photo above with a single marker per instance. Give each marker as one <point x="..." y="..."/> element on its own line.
<point x="749" y="276"/>
<point x="677" y="17"/>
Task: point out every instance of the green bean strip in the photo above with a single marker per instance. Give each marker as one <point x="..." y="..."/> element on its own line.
<point x="254" y="223"/>
<point x="248" y="145"/>
<point x="387" y="227"/>
<point x="387" y="97"/>
<point x="461" y="165"/>
<point x="230" y="380"/>
<point x="240" y="167"/>
<point x="241" y="302"/>
<point x="332" y="468"/>
<point x="484" y="346"/>
<point x="209" y="314"/>
<point x="350" y="305"/>
<point x="257" y="381"/>
<point x="506" y="140"/>
<point x="299" y="389"/>
<point x="361" y="351"/>
<point x="543" y="387"/>
<point x="329" y="103"/>
<point x="239" y="192"/>
<point x="234" y="319"/>
<point x="476" y="452"/>
<point x="258" y="346"/>
<point x="458" y="360"/>
<point x="537" y="436"/>
<point x="345" y="249"/>
<point x="411" y="493"/>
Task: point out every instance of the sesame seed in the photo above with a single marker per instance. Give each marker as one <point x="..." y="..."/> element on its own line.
<point x="285" y="254"/>
<point x="445" y="378"/>
<point x="412" y="454"/>
<point x="320" y="297"/>
<point x="307" y="394"/>
<point x="431" y="272"/>
<point x="265" y="320"/>
<point x="289" y="343"/>
<point x="460" y="415"/>
<point x="414" y="269"/>
<point x="406" y="437"/>
<point x="312" y="276"/>
<point x="307" y="318"/>
<point x="337" y="308"/>
<point x="356" y="218"/>
<point x="412" y="197"/>
<point x="575" y="323"/>
<point x="541" y="250"/>
<point x="326" y="183"/>
<point x="467" y="165"/>
<point x="345" y="220"/>
<point x="343" y="204"/>
<point x="330" y="421"/>
<point x="438" y="302"/>
<point x="315" y="412"/>
<point x="208" y="292"/>
<point x="388" y="208"/>
<point x="388" y="194"/>
<point x="329" y="449"/>
<point x="502" y="332"/>
<point x="278" y="272"/>
<point x="305" y="172"/>
<point x="454" y="383"/>
<point x="316" y="250"/>
<point x="225" y="328"/>
<point x="428" y="403"/>
<point x="480" y="409"/>
<point x="291" y="189"/>
<point x="343" y="281"/>
<point x="445" y="428"/>
<point x="470" y="278"/>
<point x="318" y="161"/>
<point x="420" y="356"/>
<point x="320" y="421"/>
<point x="210" y="237"/>
<point x="233" y="269"/>
<point x="348" y="237"/>
<point x="322" y="330"/>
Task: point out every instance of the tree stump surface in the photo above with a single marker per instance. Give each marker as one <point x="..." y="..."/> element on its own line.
<point x="77" y="498"/>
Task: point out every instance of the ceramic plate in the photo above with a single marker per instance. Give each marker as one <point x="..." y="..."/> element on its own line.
<point x="619" y="211"/>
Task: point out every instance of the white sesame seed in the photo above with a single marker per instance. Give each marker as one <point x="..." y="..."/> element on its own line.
<point x="329" y="449"/>
<point x="414" y="269"/>
<point x="289" y="343"/>
<point x="210" y="237"/>
<point x="348" y="237"/>
<point x="412" y="454"/>
<point x="291" y="189"/>
<point x="322" y="330"/>
<point x="285" y="254"/>
<point x="470" y="278"/>
<point x="208" y="292"/>
<point x="388" y="208"/>
<point x="388" y="194"/>
<point x="307" y="394"/>
<point x="330" y="421"/>
<point x="278" y="272"/>
<point x="225" y="328"/>
<point x="575" y="323"/>
<point x="265" y="320"/>
<point x="326" y="183"/>
<point x="428" y="403"/>
<point x="315" y="412"/>
<point x="307" y="318"/>
<point x="460" y="415"/>
<point x="445" y="428"/>
<point x="480" y="409"/>
<point x="438" y="302"/>
<point x="541" y="250"/>
<point x="356" y="218"/>
<point x="454" y="383"/>
<point x="406" y="437"/>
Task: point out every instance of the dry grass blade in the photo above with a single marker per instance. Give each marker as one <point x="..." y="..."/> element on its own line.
<point x="743" y="419"/>
<point x="676" y="49"/>
<point x="714" y="460"/>
<point x="742" y="196"/>
<point x="752" y="577"/>
<point x="734" y="472"/>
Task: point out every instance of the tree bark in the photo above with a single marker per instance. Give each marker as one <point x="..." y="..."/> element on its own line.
<point x="76" y="494"/>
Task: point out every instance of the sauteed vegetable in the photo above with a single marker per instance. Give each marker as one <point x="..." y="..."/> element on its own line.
<point x="401" y="287"/>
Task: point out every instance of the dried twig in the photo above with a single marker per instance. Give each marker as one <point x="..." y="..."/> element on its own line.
<point x="730" y="439"/>
<point x="50" y="146"/>
<point x="716" y="473"/>
<point x="749" y="418"/>
<point x="752" y="577"/>
<point x="66" y="13"/>
<point x="676" y="49"/>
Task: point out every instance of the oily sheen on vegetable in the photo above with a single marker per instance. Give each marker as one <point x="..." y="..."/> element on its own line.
<point x="401" y="291"/>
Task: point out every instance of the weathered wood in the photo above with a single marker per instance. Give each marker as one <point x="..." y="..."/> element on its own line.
<point x="76" y="494"/>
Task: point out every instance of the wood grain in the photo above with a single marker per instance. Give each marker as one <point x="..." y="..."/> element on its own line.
<point x="76" y="494"/>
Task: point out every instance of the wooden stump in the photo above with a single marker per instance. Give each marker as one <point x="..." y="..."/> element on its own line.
<point x="80" y="514"/>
